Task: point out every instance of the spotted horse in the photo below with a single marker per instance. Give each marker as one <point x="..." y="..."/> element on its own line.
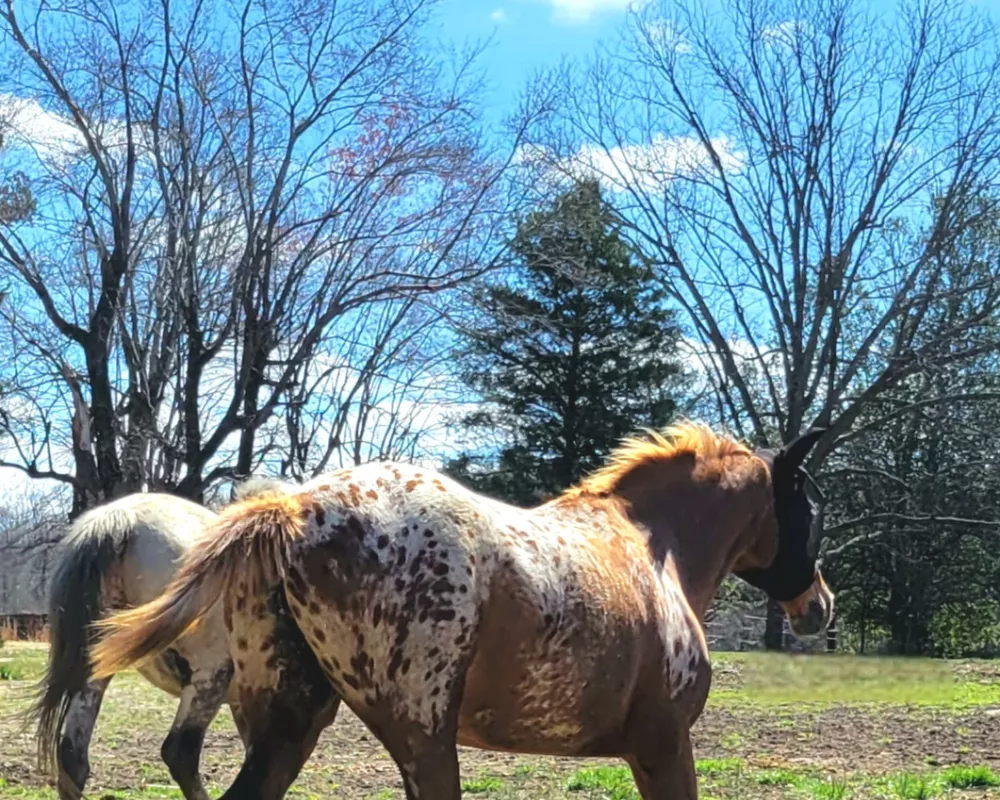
<point x="120" y="554"/>
<point x="442" y="617"/>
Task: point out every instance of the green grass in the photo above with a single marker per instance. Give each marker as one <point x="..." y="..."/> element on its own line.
<point x="912" y="787"/>
<point x="979" y="777"/>
<point x="716" y="767"/>
<point x="145" y="793"/>
<point x="609" y="783"/>
<point x="737" y="779"/>
<point x="776" y="679"/>
<point x="829" y="789"/>
<point x="482" y="785"/>
<point x="778" y="777"/>
<point x="25" y="660"/>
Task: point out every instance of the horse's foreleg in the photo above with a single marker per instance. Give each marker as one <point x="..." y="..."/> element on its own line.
<point x="666" y="774"/>
<point x="429" y="768"/>
<point x="73" y="759"/>
<point x="181" y="750"/>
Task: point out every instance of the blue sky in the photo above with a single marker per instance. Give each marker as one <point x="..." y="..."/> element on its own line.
<point x="528" y="35"/>
<point x="531" y="35"/>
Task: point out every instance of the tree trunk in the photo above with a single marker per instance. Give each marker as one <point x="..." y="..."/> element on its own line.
<point x="774" y="626"/>
<point x="102" y="419"/>
<point x="136" y="445"/>
<point x="905" y="635"/>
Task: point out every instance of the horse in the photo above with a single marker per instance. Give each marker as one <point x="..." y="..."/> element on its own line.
<point x="120" y="554"/>
<point x="445" y="618"/>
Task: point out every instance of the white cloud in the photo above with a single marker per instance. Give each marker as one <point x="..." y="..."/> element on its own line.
<point x="649" y="166"/>
<point x="666" y="35"/>
<point x="580" y="11"/>
<point x="499" y="16"/>
<point x="784" y="33"/>
<point x="31" y="125"/>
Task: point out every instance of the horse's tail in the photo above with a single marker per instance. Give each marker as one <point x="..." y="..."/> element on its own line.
<point x="90" y="548"/>
<point x="249" y="537"/>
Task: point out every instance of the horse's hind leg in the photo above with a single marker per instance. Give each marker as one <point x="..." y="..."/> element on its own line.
<point x="181" y="750"/>
<point x="240" y="720"/>
<point x="74" y="746"/>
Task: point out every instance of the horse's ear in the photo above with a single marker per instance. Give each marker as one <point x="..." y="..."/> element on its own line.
<point x="794" y="453"/>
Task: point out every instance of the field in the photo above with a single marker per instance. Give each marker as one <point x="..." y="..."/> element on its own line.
<point x="825" y="727"/>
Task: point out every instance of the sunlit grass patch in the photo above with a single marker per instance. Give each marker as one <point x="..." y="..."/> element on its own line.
<point x="977" y="777"/>
<point x="733" y="777"/>
<point x="782" y="678"/>
<point x="717" y="767"/>
<point x="615" y="783"/>
<point x="907" y="786"/>
<point x="152" y="792"/>
<point x="827" y="788"/>
<point x="778" y="777"/>
<point x="482" y="784"/>
<point x="24" y="661"/>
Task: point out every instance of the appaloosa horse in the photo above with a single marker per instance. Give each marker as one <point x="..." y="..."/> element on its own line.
<point x="443" y="618"/>
<point x="117" y="555"/>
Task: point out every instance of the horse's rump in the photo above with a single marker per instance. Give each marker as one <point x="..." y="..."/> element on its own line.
<point x="248" y="539"/>
<point x="89" y="553"/>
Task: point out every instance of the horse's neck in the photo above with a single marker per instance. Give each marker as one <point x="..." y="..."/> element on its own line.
<point x="693" y="531"/>
<point x="700" y="564"/>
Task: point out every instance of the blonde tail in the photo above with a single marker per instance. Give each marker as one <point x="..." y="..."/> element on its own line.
<point x="248" y="537"/>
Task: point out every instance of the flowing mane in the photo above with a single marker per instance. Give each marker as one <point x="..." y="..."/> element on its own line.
<point x="683" y="438"/>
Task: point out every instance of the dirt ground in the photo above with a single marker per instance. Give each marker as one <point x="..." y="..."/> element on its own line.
<point x="350" y="763"/>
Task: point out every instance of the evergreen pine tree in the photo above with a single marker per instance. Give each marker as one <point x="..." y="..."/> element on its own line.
<point x="574" y="351"/>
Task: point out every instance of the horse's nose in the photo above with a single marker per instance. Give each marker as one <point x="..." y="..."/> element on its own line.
<point x="814" y="619"/>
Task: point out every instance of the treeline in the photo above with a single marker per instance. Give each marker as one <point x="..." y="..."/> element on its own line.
<point x="244" y="239"/>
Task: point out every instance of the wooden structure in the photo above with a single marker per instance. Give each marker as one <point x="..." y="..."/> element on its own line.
<point x="25" y="567"/>
<point x="24" y="627"/>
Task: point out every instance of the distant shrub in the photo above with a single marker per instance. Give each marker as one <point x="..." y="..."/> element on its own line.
<point x="961" y="630"/>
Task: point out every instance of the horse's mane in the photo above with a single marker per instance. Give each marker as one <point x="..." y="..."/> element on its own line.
<point x="684" y="438"/>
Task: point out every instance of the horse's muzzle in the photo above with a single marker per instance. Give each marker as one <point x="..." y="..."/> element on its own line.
<point x="809" y="613"/>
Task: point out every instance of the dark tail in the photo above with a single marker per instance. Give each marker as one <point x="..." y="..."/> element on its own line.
<point x="92" y="546"/>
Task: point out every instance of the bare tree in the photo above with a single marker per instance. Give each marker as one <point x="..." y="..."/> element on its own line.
<point x="381" y="394"/>
<point x="244" y="178"/>
<point x="793" y="166"/>
<point x="797" y="169"/>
